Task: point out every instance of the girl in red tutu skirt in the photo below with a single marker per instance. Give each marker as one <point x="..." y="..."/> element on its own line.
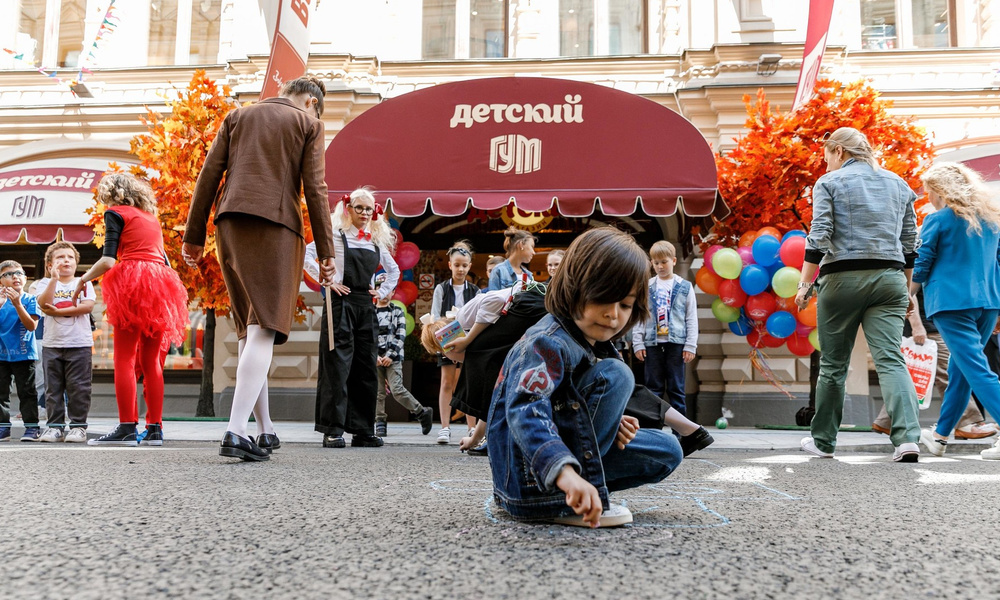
<point x="146" y="303"/>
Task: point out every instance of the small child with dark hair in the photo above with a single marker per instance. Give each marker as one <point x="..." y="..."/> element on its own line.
<point x="558" y="437"/>
<point x="389" y="368"/>
<point x="18" y="321"/>
<point x="668" y="337"/>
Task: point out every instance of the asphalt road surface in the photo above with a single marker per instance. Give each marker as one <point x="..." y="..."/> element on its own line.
<point x="418" y="522"/>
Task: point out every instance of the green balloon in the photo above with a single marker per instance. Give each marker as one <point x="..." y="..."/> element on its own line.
<point x="400" y="304"/>
<point x="724" y="313"/>
<point x="727" y="263"/>
<point x="410" y="323"/>
<point x="814" y="338"/>
<point x="786" y="281"/>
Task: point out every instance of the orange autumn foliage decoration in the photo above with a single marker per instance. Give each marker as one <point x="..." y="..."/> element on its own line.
<point x="171" y="155"/>
<point x="767" y="178"/>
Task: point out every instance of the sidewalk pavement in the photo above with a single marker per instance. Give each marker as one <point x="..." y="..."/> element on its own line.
<point x="744" y="439"/>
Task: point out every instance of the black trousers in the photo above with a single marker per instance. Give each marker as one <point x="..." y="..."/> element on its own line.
<point x="23" y="372"/>
<point x="348" y="384"/>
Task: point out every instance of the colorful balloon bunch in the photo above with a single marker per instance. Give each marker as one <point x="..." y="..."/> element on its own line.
<point x="756" y="285"/>
<point x="407" y="256"/>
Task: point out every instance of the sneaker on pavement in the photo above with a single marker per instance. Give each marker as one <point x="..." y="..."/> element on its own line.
<point x="935" y="446"/>
<point x="4" y="434"/>
<point x="808" y="445"/>
<point x="76" y="435"/>
<point x="906" y="453"/>
<point x="380" y="429"/>
<point x="52" y="435"/>
<point x="444" y="435"/>
<point x="615" y="516"/>
<point x="426" y="418"/>
<point x="122" y="435"/>
<point x="152" y="436"/>
<point x="31" y="434"/>
<point x="992" y="453"/>
<point x="976" y="431"/>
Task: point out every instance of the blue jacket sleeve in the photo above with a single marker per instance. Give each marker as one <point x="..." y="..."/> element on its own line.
<point x="530" y="387"/>
<point x="818" y="240"/>
<point x="927" y="253"/>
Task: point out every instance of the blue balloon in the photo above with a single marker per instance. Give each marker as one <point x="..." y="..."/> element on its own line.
<point x="741" y="326"/>
<point x="775" y="268"/>
<point x="793" y="233"/>
<point x="765" y="250"/>
<point x="781" y="324"/>
<point x="407" y="275"/>
<point x="393" y="223"/>
<point x="754" y="279"/>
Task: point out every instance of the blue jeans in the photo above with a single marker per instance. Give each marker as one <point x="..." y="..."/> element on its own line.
<point x="966" y="332"/>
<point x="665" y="372"/>
<point x="651" y="456"/>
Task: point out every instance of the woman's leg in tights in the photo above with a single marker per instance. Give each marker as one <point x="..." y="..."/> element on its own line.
<point x="261" y="410"/>
<point x="152" y="378"/>
<point x="126" y="347"/>
<point x="251" y="376"/>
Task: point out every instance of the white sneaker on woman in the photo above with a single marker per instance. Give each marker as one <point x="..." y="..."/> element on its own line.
<point x="808" y="445"/>
<point x="444" y="435"/>
<point x="935" y="446"/>
<point x="907" y="452"/>
<point x="992" y="453"/>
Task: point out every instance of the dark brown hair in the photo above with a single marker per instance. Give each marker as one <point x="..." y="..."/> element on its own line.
<point x="514" y="236"/>
<point x="601" y="266"/>
<point x="306" y="85"/>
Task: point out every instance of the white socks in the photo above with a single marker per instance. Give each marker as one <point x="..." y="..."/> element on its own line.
<point x="250" y="395"/>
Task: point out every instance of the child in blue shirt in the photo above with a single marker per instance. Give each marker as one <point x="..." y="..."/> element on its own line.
<point x="558" y="438"/>
<point x="668" y="338"/>
<point x="18" y="320"/>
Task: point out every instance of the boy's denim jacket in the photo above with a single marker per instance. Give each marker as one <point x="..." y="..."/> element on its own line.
<point x="644" y="333"/>
<point x="861" y="213"/>
<point x="539" y="422"/>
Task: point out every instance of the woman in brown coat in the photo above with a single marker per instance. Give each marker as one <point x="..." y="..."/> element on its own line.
<point x="267" y="151"/>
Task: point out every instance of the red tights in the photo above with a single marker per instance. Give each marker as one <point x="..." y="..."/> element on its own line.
<point x="129" y="344"/>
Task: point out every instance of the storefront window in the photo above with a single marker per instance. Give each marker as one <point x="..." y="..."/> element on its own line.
<point x="601" y="27"/>
<point x="464" y="28"/>
<point x="31" y="31"/>
<point x="486" y="39"/>
<point x="878" y="25"/>
<point x="930" y="24"/>
<point x="439" y="29"/>
<point x="205" y="26"/>
<point x="162" y="32"/>
<point x="71" y="24"/>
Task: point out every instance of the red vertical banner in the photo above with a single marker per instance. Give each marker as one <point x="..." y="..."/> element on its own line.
<point x="820" y="13"/>
<point x="289" y="42"/>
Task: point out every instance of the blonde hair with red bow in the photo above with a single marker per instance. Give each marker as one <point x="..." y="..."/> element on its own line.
<point x="382" y="235"/>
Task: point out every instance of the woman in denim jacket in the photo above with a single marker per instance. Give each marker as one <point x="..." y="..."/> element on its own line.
<point x="959" y="270"/>
<point x="558" y="440"/>
<point x="863" y="241"/>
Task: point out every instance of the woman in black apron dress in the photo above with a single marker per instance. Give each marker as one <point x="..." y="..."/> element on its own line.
<point x="347" y="388"/>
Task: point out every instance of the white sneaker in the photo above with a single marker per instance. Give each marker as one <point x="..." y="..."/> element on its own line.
<point x="52" y="435"/>
<point x="992" y="453"/>
<point x="76" y="435"/>
<point x="444" y="436"/>
<point x="935" y="446"/>
<point x="907" y="453"/>
<point x="616" y="516"/>
<point x="808" y="445"/>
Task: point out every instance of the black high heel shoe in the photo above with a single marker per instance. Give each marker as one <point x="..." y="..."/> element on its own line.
<point x="268" y="441"/>
<point x="235" y="446"/>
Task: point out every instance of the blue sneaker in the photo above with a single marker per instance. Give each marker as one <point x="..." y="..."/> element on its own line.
<point x="4" y="434"/>
<point x="31" y="434"/>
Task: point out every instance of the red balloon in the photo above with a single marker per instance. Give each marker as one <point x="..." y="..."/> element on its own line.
<point x="399" y="237"/>
<point x="761" y="306"/>
<point x="753" y="338"/>
<point x="731" y="293"/>
<point x="708" y="281"/>
<point x="407" y="256"/>
<point x="406" y="292"/>
<point x="799" y="345"/>
<point x="793" y="251"/>
<point x="769" y="341"/>
<point x="708" y="257"/>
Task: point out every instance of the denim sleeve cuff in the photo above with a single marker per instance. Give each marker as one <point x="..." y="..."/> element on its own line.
<point x="814" y="256"/>
<point x="910" y="259"/>
<point x="550" y="478"/>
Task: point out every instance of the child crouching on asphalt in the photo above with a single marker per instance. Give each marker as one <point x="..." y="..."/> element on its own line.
<point x="557" y="435"/>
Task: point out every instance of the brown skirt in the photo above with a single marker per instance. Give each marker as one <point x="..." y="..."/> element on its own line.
<point x="262" y="265"/>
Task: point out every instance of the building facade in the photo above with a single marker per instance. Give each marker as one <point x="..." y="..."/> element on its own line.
<point x="935" y="59"/>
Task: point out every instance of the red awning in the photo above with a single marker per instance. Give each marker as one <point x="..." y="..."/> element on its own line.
<point x="46" y="234"/>
<point x="536" y="141"/>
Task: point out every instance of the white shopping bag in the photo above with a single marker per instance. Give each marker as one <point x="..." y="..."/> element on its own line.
<point x="921" y="361"/>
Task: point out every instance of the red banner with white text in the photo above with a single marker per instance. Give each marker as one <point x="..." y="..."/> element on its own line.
<point x="820" y="12"/>
<point x="289" y="42"/>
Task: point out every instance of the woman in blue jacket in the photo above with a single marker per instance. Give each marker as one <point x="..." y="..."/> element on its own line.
<point x="959" y="269"/>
